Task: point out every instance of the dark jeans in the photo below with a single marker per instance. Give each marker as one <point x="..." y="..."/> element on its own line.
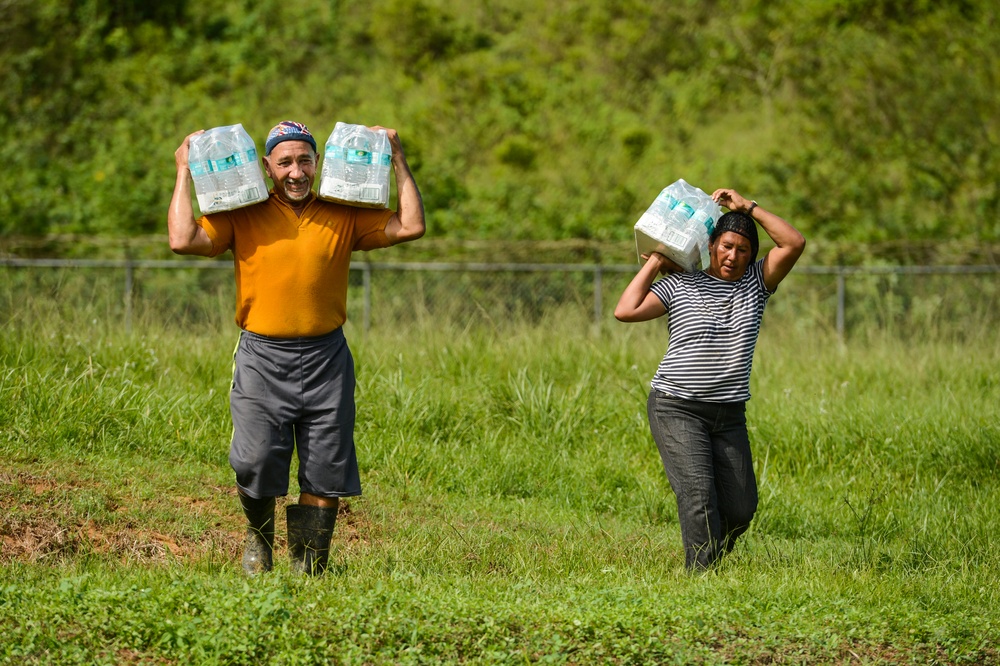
<point x="706" y="454"/>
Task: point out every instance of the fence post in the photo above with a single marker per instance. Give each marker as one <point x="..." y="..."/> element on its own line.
<point x="841" y="298"/>
<point x="129" y="278"/>
<point x="366" y="275"/>
<point x="598" y="289"/>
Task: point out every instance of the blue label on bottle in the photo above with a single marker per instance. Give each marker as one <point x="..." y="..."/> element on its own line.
<point x="355" y="156"/>
<point x="684" y="209"/>
<point x="667" y="198"/>
<point x="230" y="162"/>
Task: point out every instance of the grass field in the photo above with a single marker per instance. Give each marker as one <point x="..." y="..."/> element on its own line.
<point x="515" y="508"/>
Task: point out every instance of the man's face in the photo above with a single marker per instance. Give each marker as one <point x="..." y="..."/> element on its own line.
<point x="292" y="167"/>
<point x="729" y="256"/>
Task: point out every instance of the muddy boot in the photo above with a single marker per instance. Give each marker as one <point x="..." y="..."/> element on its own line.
<point x="310" y="529"/>
<point x="259" y="545"/>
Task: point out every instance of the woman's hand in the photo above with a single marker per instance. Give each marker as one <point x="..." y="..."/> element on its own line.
<point x="732" y="200"/>
<point x="637" y="302"/>
<point x="789" y="243"/>
<point x="664" y="265"/>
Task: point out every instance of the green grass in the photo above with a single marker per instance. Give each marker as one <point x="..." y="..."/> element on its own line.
<point x="515" y="508"/>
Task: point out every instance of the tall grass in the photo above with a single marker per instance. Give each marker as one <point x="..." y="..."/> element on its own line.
<point x="515" y="508"/>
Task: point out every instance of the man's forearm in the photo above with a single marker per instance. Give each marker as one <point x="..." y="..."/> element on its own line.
<point x="186" y="237"/>
<point x="411" y="204"/>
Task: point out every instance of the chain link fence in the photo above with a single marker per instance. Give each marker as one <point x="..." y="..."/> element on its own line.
<point x="904" y="300"/>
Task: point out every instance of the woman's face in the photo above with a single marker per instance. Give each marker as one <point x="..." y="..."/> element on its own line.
<point x="729" y="256"/>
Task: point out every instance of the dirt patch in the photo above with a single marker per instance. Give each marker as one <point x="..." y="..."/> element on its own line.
<point x="38" y="524"/>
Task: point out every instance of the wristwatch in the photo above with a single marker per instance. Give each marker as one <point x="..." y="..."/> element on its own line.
<point x="753" y="204"/>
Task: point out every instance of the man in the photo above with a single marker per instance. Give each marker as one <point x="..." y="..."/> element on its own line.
<point x="293" y="377"/>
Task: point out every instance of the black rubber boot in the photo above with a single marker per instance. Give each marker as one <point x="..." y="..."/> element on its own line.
<point x="259" y="545"/>
<point x="310" y="529"/>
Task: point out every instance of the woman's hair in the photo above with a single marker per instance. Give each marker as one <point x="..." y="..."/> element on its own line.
<point x="738" y="223"/>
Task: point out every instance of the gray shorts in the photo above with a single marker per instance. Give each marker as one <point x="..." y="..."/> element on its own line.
<point x="294" y="394"/>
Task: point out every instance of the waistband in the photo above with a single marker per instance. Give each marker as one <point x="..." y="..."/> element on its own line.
<point x="335" y="335"/>
<point x="699" y="403"/>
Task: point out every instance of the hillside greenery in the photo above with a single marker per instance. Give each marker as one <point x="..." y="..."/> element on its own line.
<point x="861" y="121"/>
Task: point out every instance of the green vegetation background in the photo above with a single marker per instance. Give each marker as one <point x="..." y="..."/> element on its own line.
<point x="515" y="509"/>
<point x="865" y="122"/>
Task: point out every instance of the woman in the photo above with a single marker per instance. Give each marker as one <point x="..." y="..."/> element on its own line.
<point x="697" y="403"/>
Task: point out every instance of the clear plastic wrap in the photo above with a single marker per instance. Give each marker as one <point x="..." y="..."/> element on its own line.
<point x="678" y="225"/>
<point x="225" y="169"/>
<point x="355" y="169"/>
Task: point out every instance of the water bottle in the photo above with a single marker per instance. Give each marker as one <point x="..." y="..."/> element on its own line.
<point x="663" y="204"/>
<point x="655" y="219"/>
<point x="682" y="212"/>
<point x="703" y="225"/>
<point x="246" y="158"/>
<point x="201" y="163"/>
<point x="331" y="175"/>
<point x="343" y="173"/>
<point x="377" y="189"/>
<point x="252" y="187"/>
<point x="357" y="158"/>
<point x="201" y="174"/>
<point x="222" y="156"/>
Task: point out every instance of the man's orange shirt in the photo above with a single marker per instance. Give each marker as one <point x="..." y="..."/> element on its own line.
<point x="292" y="272"/>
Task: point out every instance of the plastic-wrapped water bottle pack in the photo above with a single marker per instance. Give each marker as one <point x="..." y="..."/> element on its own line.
<point x="677" y="225"/>
<point x="355" y="168"/>
<point x="225" y="169"/>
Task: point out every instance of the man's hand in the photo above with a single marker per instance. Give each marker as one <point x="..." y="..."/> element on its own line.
<point x="394" y="142"/>
<point x="184" y="150"/>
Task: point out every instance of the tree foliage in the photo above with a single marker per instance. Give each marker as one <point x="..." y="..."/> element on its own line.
<point x="859" y="121"/>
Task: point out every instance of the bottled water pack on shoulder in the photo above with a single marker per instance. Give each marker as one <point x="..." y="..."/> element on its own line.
<point x="225" y="169"/>
<point x="677" y="225"/>
<point x="355" y="168"/>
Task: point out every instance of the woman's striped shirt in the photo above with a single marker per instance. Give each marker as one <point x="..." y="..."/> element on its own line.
<point x="713" y="326"/>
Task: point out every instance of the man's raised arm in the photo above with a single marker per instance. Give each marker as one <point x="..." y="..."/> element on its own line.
<point x="186" y="237"/>
<point x="408" y="222"/>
